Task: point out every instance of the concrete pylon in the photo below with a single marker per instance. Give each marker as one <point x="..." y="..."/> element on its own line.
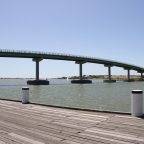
<point x="37" y="81"/>
<point x="80" y="68"/>
<point x="109" y="75"/>
<point x="81" y="80"/>
<point x="141" y="75"/>
<point x="37" y="60"/>
<point x="128" y="75"/>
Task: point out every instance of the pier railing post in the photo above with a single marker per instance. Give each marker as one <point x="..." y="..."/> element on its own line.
<point x="137" y="103"/>
<point x="25" y="95"/>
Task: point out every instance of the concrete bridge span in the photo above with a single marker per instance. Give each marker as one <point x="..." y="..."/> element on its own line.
<point x="38" y="56"/>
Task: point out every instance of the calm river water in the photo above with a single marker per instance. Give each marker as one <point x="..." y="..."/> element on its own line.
<point x="96" y="96"/>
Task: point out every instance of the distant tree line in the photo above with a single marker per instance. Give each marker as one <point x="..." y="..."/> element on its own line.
<point x="119" y="77"/>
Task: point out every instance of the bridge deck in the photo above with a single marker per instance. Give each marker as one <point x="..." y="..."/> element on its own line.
<point x="67" y="57"/>
<point x="33" y="124"/>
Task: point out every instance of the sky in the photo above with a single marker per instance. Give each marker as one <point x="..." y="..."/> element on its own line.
<point x="109" y="29"/>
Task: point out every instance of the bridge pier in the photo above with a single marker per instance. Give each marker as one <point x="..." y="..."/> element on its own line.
<point x="37" y="67"/>
<point x="128" y="76"/>
<point x="110" y="80"/>
<point x="80" y="70"/>
<point x="81" y="80"/>
<point x="37" y="81"/>
<point x="141" y="76"/>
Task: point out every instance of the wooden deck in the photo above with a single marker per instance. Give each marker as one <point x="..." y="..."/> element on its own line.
<point x="34" y="124"/>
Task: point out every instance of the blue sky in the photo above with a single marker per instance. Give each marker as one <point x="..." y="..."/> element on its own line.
<point x="109" y="29"/>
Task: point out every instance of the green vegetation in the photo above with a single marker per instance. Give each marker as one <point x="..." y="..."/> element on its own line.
<point x="117" y="77"/>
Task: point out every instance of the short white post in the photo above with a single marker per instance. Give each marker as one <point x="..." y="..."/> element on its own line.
<point x="25" y="95"/>
<point x="137" y="103"/>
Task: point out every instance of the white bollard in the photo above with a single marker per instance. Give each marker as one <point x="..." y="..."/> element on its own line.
<point x="25" y="95"/>
<point x="137" y="103"/>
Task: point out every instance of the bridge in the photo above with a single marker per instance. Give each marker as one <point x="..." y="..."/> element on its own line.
<point x="39" y="56"/>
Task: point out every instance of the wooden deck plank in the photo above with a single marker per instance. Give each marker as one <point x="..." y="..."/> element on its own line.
<point x="35" y="124"/>
<point x="2" y="142"/>
<point x="28" y="140"/>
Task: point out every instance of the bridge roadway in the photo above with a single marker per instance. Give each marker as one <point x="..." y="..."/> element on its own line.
<point x="38" y="56"/>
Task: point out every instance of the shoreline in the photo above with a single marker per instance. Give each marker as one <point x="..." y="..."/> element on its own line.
<point x="90" y="77"/>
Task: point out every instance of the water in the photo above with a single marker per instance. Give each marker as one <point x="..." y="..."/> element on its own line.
<point x="96" y="96"/>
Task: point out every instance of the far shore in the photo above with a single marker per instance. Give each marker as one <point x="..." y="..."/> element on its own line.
<point x="91" y="77"/>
